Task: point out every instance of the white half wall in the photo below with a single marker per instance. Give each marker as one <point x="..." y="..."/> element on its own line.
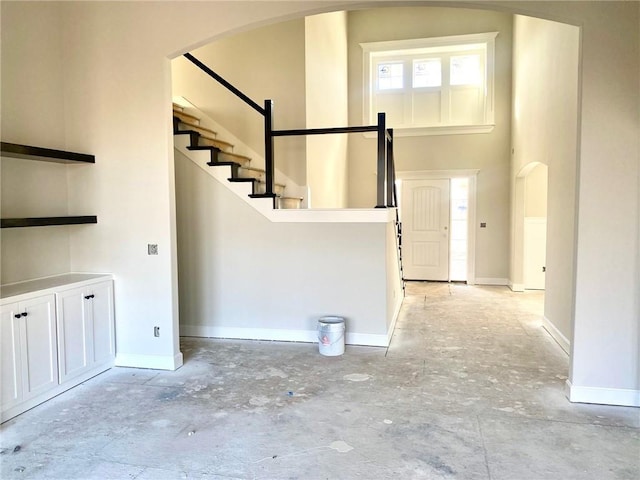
<point x="243" y="276"/>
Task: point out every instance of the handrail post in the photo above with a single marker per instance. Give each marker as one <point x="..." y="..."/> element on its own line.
<point x="391" y="180"/>
<point x="382" y="140"/>
<point x="268" y="146"/>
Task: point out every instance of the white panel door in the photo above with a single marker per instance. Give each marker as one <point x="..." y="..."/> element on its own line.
<point x="103" y="338"/>
<point x="425" y="229"/>
<point x="38" y="344"/>
<point x="535" y="252"/>
<point x="10" y="356"/>
<point x="74" y="327"/>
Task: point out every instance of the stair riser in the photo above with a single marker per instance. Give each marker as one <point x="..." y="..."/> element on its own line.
<point x="242" y="161"/>
<point x="277" y="189"/>
<point x="245" y="173"/>
<point x="289" y="203"/>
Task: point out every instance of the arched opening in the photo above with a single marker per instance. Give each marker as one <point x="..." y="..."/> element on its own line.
<point x="501" y="209"/>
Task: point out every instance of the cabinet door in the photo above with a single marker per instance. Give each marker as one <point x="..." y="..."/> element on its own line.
<point x="74" y="333"/>
<point x="103" y="322"/>
<point x="10" y="357"/>
<point x="38" y="345"/>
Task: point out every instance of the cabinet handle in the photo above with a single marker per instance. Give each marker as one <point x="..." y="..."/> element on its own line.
<point x="18" y="315"/>
<point x="23" y="314"/>
<point x="88" y="297"/>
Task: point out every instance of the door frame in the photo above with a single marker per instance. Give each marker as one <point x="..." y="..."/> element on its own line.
<point x="471" y="175"/>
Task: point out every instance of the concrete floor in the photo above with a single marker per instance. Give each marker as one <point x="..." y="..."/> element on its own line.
<point x="472" y="387"/>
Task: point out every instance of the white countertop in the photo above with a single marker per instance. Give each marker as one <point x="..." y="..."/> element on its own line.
<point x="49" y="283"/>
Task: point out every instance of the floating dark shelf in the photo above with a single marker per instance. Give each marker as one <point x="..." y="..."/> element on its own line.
<point x="44" y="154"/>
<point x="46" y="221"/>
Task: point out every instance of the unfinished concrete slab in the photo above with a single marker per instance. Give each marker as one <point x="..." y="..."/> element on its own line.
<point x="472" y="387"/>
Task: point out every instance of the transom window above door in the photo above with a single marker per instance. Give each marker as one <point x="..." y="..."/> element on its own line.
<point x="430" y="86"/>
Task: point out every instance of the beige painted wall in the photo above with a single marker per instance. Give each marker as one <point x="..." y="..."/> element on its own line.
<point x="265" y="63"/>
<point x="32" y="188"/>
<point x="487" y="152"/>
<point x="117" y="99"/>
<point x="296" y="273"/>
<point x="326" y="106"/>
<point x="545" y="131"/>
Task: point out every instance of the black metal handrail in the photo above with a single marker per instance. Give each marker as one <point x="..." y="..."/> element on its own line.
<point x="226" y="84"/>
<point x="322" y="131"/>
<point x="385" y="164"/>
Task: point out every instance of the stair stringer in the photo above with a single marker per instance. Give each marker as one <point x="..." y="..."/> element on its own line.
<point x="222" y="173"/>
<point x="292" y="189"/>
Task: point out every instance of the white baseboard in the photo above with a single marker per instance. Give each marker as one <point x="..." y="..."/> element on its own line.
<point x="492" y="281"/>
<point x="603" y="396"/>
<point x="279" y="335"/>
<point x="392" y="326"/>
<point x="557" y="335"/>
<point x="156" y="362"/>
<point x="516" y="287"/>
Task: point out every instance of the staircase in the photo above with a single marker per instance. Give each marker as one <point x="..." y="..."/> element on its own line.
<point x="222" y="155"/>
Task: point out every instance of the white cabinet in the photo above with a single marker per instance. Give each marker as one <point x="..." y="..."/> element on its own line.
<point x="55" y="333"/>
<point x="85" y="329"/>
<point x="29" y="349"/>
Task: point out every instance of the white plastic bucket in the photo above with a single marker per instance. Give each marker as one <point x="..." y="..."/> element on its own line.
<point x="331" y="336"/>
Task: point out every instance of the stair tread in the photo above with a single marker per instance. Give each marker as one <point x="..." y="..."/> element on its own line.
<point x="210" y="136"/>
<point x="197" y="128"/>
<point x="264" y="195"/>
<point x="242" y="179"/>
<point x="221" y="144"/>
<point x="198" y="147"/>
<point x="237" y="155"/>
<point x="178" y="108"/>
<point x="184" y="115"/>
<point x="222" y="164"/>
<point x="254" y="169"/>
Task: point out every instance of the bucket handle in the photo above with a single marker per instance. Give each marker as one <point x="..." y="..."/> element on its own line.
<point x="331" y="343"/>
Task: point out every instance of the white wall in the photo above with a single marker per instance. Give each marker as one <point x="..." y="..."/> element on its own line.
<point x="117" y="106"/>
<point x="606" y="348"/>
<point x="545" y="126"/>
<point x="29" y="188"/>
<point x="487" y="152"/>
<point x="276" y="288"/>
<point x="326" y="106"/>
<point x="34" y="189"/>
<point x="265" y="63"/>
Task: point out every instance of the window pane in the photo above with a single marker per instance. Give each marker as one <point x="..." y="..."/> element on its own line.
<point x="465" y="70"/>
<point x="427" y="73"/>
<point x="389" y="76"/>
